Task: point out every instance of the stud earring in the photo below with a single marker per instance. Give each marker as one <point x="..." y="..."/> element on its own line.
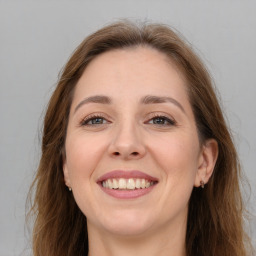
<point x="202" y="184"/>
<point x="70" y="189"/>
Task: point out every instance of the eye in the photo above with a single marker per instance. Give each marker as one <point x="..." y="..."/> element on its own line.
<point x="94" y="120"/>
<point x="161" y="121"/>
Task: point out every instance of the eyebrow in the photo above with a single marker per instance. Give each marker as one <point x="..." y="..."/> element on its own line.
<point x="94" y="99"/>
<point x="149" y="99"/>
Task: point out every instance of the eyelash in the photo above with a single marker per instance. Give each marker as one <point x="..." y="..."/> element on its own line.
<point x="167" y="121"/>
<point x="85" y="121"/>
<point x="170" y="122"/>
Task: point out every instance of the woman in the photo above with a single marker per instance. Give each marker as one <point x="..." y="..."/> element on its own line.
<point x="136" y="155"/>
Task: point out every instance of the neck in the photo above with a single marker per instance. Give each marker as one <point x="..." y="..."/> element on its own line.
<point x="161" y="243"/>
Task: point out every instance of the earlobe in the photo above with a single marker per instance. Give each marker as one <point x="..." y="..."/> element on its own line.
<point x="66" y="174"/>
<point x="207" y="161"/>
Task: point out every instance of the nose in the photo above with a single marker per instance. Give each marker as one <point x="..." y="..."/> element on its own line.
<point x="127" y="144"/>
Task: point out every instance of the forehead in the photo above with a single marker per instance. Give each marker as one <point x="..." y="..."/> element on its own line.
<point x="131" y="71"/>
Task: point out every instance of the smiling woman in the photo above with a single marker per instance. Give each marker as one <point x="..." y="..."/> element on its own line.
<point x="135" y="132"/>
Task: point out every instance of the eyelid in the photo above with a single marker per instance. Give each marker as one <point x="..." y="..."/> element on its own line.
<point x="150" y="116"/>
<point x="92" y="116"/>
<point x="169" y="118"/>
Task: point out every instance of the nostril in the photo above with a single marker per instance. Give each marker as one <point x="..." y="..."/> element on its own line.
<point x="133" y="153"/>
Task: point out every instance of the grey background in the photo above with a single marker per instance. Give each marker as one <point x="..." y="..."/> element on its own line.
<point x="37" y="37"/>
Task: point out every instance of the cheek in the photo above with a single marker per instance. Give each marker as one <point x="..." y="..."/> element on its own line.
<point x="178" y="157"/>
<point x="83" y="154"/>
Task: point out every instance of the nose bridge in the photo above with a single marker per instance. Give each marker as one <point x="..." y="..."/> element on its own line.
<point x="127" y="140"/>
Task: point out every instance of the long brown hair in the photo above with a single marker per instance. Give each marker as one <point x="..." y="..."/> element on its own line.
<point x="215" y="217"/>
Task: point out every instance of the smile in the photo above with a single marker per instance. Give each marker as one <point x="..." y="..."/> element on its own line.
<point x="127" y="184"/>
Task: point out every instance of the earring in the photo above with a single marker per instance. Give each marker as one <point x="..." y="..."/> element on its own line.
<point x="70" y="189"/>
<point x="202" y="184"/>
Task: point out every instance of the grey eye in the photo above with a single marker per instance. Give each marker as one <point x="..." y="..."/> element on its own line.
<point x="94" y="121"/>
<point x="161" y="120"/>
<point x="97" y="120"/>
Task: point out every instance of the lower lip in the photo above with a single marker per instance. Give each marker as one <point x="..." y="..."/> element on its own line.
<point x="127" y="194"/>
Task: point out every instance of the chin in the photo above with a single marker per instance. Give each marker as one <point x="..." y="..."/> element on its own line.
<point x="127" y="224"/>
<point x="122" y="229"/>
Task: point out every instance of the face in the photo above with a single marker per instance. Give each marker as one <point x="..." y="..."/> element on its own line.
<point x="132" y="148"/>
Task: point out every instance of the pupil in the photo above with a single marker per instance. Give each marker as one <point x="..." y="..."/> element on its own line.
<point x="97" y="121"/>
<point x="159" y="121"/>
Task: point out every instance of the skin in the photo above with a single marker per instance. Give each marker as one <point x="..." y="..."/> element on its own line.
<point x="129" y="136"/>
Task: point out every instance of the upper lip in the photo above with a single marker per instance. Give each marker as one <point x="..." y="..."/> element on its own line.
<point x="126" y="175"/>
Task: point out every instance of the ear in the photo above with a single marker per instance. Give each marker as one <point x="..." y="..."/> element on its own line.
<point x="66" y="173"/>
<point x="207" y="160"/>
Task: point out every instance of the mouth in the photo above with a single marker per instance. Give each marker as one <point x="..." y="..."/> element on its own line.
<point x="127" y="184"/>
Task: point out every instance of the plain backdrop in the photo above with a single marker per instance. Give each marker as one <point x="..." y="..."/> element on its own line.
<point x="36" y="39"/>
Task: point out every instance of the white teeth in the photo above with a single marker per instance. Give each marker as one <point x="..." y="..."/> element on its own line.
<point x="110" y="185"/>
<point x="122" y="184"/>
<point x="115" y="184"/>
<point x="143" y="183"/>
<point x="137" y="183"/>
<point x="130" y="183"/>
